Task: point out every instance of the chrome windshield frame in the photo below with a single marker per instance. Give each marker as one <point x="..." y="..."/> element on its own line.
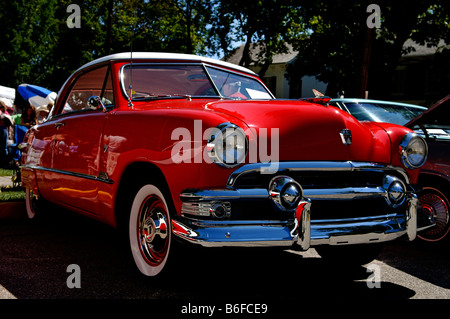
<point x="204" y="66"/>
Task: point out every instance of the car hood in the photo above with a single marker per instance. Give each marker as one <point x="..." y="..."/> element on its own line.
<point x="307" y="131"/>
<point x="436" y="115"/>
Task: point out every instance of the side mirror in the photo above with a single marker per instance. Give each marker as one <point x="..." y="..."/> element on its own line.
<point x="95" y="102"/>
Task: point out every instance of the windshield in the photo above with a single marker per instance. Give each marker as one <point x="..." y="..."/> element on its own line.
<point x="389" y="113"/>
<point x="158" y="81"/>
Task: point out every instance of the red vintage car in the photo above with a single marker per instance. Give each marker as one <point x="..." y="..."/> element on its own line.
<point x="169" y="146"/>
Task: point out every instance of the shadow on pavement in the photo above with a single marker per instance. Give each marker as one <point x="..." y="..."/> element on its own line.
<point x="429" y="261"/>
<point x="35" y="256"/>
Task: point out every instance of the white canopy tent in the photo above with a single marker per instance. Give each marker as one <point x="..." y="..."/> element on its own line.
<point x="7" y="95"/>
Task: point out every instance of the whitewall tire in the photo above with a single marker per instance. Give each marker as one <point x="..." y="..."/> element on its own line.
<point x="150" y="230"/>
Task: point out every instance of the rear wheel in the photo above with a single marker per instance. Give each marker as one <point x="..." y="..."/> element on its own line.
<point x="33" y="203"/>
<point x="436" y="205"/>
<point x="150" y="231"/>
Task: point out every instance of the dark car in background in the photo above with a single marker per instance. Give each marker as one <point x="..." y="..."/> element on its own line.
<point x="379" y="111"/>
<point x="434" y="125"/>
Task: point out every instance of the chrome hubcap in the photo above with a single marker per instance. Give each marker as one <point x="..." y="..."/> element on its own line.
<point x="33" y="198"/>
<point x="437" y="208"/>
<point x="153" y="230"/>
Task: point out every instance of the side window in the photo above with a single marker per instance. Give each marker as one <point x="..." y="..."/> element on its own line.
<point x="237" y="86"/>
<point x="96" y="82"/>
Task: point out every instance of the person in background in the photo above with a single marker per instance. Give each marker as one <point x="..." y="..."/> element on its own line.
<point x="28" y="118"/>
<point x="17" y="115"/>
<point x="42" y="113"/>
<point x="5" y="124"/>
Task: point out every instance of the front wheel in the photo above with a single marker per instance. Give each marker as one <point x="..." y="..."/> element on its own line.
<point x="436" y="204"/>
<point x="150" y="231"/>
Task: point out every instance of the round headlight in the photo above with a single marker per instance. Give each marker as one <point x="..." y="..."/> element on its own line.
<point x="414" y="151"/>
<point x="227" y="145"/>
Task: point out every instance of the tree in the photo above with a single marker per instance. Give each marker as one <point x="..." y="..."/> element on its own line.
<point x="39" y="47"/>
<point x="334" y="48"/>
<point x="260" y="23"/>
<point x="26" y="40"/>
<point x="426" y="22"/>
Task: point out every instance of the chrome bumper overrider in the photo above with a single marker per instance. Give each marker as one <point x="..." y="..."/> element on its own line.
<point x="198" y="226"/>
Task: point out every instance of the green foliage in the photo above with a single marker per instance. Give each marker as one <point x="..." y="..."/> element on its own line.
<point x="333" y="49"/>
<point x="11" y="194"/>
<point x="38" y="47"/>
<point x="6" y="172"/>
<point x="26" y="40"/>
<point x="265" y="22"/>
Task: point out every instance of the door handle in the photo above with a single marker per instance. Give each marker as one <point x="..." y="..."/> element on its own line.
<point x="59" y="124"/>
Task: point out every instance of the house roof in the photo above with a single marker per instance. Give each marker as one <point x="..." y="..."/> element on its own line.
<point x="422" y="50"/>
<point x="417" y="50"/>
<point x="254" y="51"/>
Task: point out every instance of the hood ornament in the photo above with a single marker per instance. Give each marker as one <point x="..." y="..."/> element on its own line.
<point x="346" y="136"/>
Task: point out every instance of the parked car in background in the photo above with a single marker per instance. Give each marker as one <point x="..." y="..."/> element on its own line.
<point x="166" y="146"/>
<point x="379" y="111"/>
<point x="434" y="125"/>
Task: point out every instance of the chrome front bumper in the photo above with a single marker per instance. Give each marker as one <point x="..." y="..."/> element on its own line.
<point x="254" y="233"/>
<point x="299" y="231"/>
<point x="196" y="225"/>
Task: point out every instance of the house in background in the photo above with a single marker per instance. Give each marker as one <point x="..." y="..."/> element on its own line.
<point x="420" y="77"/>
<point x="275" y="78"/>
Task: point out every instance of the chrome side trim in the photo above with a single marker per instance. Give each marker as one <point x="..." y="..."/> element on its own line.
<point x="102" y="177"/>
<point x="284" y="167"/>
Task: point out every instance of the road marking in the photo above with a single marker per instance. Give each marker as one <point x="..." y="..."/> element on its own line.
<point x="5" y="294"/>
<point x="422" y="288"/>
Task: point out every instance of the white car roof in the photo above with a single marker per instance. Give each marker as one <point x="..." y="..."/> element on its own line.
<point x="165" y="56"/>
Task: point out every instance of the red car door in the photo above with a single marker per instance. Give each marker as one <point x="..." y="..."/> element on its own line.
<point x="77" y="149"/>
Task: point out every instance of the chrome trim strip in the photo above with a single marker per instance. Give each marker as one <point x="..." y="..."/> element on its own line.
<point x="355" y="219"/>
<point x="246" y="73"/>
<point x="347" y="193"/>
<point x="101" y="178"/>
<point x="283" y="167"/>
<point x="223" y="194"/>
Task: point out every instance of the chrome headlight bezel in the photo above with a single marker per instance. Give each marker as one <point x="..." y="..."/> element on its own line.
<point x="227" y="145"/>
<point x="413" y="151"/>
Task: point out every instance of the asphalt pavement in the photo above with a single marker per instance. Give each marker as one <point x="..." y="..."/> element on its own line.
<point x="35" y="258"/>
<point x="5" y="181"/>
